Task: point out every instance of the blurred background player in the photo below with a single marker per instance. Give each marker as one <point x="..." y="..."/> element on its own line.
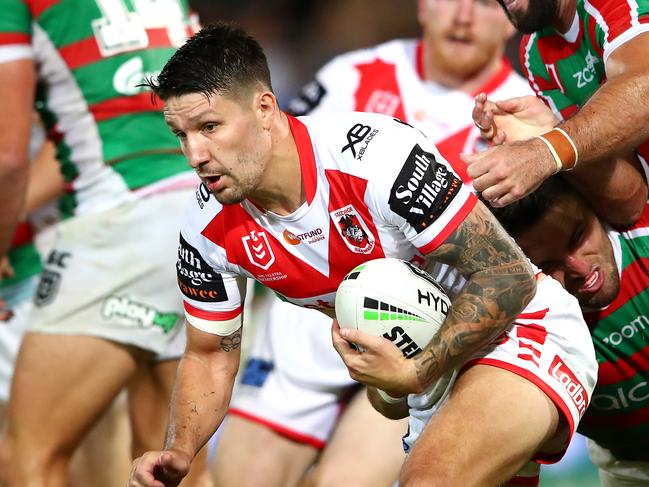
<point x="430" y="83"/>
<point x="23" y="262"/>
<point x="587" y="60"/>
<point x="108" y="316"/>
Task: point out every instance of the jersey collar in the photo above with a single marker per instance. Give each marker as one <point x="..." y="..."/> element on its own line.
<point x="306" y="155"/>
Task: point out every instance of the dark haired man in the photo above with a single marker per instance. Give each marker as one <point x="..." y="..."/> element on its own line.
<point x="587" y="60"/>
<point x="523" y="385"/>
<point x="282" y="417"/>
<point x="606" y="270"/>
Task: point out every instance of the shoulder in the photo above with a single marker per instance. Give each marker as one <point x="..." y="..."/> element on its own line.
<point x="202" y="207"/>
<point x="391" y="52"/>
<point x="346" y="133"/>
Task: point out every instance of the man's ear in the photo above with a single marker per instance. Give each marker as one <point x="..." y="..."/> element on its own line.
<point x="266" y="107"/>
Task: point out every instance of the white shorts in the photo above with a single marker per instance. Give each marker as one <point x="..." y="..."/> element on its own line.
<point x="294" y="382"/>
<point x="618" y="473"/>
<point x="549" y="344"/>
<point x="112" y="275"/>
<point x="19" y="300"/>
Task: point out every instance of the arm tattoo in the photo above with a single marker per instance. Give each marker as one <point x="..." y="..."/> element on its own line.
<point x="231" y="342"/>
<point x="500" y="284"/>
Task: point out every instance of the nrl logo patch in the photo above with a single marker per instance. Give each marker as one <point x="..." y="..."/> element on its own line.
<point x="258" y="249"/>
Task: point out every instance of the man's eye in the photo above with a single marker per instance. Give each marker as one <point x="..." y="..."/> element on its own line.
<point x="209" y="127"/>
<point x="577" y="236"/>
<point x="180" y="135"/>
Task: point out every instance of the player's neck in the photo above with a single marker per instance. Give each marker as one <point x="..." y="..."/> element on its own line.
<point x="567" y="10"/>
<point x="281" y="191"/>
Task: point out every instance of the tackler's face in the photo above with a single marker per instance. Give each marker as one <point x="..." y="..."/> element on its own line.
<point x="570" y="244"/>
<point x="224" y="142"/>
<point x="529" y="16"/>
<point x="464" y="36"/>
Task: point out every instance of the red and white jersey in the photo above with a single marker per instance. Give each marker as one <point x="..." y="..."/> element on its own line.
<point x="375" y="187"/>
<point x="388" y="79"/>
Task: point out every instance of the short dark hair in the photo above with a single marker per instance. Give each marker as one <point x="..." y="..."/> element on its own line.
<point x="220" y="59"/>
<point x="518" y="217"/>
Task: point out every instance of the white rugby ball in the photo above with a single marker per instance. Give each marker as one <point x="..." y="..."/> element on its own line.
<point x="394" y="299"/>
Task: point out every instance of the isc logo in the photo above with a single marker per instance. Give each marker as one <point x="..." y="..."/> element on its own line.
<point x="401" y="339"/>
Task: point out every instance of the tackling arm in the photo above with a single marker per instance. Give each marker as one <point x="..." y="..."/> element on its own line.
<point x="615" y="187"/>
<point x="614" y="120"/>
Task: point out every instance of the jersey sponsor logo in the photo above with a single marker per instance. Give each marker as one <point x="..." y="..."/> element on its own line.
<point x="310" y="237"/>
<point x="258" y="249"/>
<point x="120" y="30"/>
<point x="622" y="398"/>
<point x="129" y="75"/>
<point x="423" y="189"/>
<point x="403" y="341"/>
<point x="560" y="371"/>
<point x="368" y="139"/>
<point x="309" y="98"/>
<point x="355" y="136"/>
<point x="589" y="73"/>
<point x="196" y="279"/>
<point x="202" y="195"/>
<point x="628" y="331"/>
<point x="382" y="101"/>
<point x="139" y="314"/>
<point x="353" y="230"/>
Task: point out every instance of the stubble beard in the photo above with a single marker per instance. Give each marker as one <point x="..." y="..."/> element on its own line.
<point x="539" y="14"/>
<point x="242" y="186"/>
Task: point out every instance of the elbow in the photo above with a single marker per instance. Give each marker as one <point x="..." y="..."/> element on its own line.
<point x="628" y="211"/>
<point x="637" y="205"/>
<point x="14" y="166"/>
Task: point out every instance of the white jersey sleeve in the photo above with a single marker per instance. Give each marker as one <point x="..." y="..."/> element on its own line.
<point x="422" y="195"/>
<point x="213" y="295"/>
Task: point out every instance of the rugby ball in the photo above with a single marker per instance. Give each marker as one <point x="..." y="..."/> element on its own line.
<point x="394" y="299"/>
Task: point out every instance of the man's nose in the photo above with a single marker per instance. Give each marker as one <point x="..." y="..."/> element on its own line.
<point x="196" y="151"/>
<point x="464" y="13"/>
<point x="576" y="266"/>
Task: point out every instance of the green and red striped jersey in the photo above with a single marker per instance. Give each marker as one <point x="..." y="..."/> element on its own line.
<point x="90" y="55"/>
<point x="566" y="69"/>
<point x="618" y="415"/>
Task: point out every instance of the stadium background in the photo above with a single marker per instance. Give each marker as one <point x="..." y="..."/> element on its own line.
<point x="299" y="36"/>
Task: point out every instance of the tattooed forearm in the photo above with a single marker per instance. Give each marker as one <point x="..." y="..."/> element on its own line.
<point x="500" y="284"/>
<point x="231" y="342"/>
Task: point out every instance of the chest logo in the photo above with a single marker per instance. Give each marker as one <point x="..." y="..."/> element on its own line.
<point x="353" y="230"/>
<point x="258" y="249"/>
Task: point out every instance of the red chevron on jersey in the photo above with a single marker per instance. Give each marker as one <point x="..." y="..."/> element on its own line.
<point x="378" y="90"/>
